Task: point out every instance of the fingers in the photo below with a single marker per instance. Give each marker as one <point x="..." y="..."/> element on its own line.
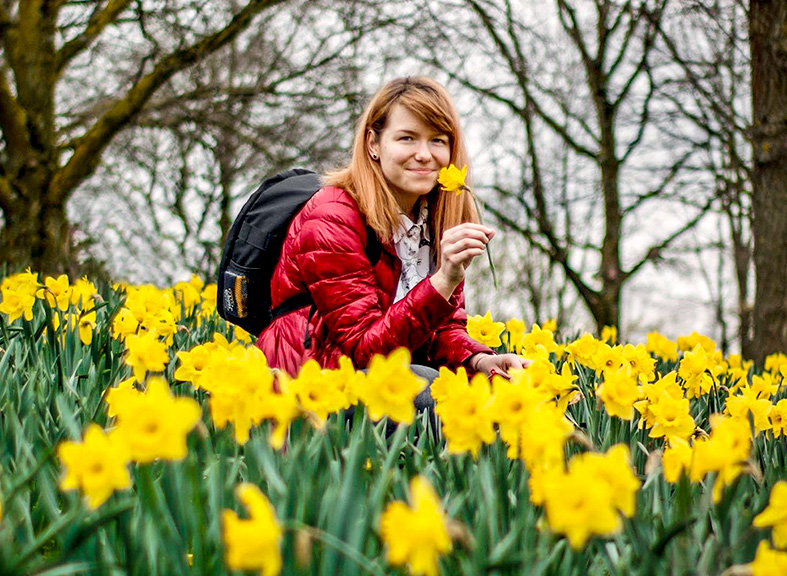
<point x="514" y="362"/>
<point x="469" y="230"/>
<point x="502" y="364"/>
<point x="458" y="247"/>
<point x="460" y="244"/>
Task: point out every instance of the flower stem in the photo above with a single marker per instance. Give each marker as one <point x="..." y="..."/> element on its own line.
<point x="488" y="250"/>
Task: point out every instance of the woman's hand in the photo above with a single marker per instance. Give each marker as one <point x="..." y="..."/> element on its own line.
<point x="500" y="363"/>
<point x="458" y="246"/>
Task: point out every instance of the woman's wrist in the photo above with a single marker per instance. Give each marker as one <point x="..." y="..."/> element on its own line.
<point x="474" y="361"/>
<point x="443" y="286"/>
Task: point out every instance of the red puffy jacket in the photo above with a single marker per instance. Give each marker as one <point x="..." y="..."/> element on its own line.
<point x="324" y="254"/>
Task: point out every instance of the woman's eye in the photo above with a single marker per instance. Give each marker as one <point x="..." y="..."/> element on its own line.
<point x="441" y="141"/>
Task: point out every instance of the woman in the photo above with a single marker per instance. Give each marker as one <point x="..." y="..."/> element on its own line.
<point x="412" y="296"/>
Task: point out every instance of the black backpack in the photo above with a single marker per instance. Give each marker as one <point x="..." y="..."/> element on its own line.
<point x="253" y="247"/>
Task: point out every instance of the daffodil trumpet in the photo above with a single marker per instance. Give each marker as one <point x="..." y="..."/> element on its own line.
<point x="452" y="179"/>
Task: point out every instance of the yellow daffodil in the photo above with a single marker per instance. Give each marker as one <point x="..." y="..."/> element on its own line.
<point x="745" y="402"/>
<point x="147" y="300"/>
<point x="609" y="334"/>
<point x="117" y="396"/>
<point x="319" y="391"/>
<point x="550" y="325"/>
<point x="608" y="359"/>
<point x="642" y="364"/>
<point x="561" y="386"/>
<point x="282" y="408"/>
<point x="97" y="466"/>
<point x="86" y="325"/>
<point x="27" y="281"/>
<point x="537" y="340"/>
<point x="775" y="514"/>
<point x="724" y="452"/>
<point x="695" y="339"/>
<point x="585" y="500"/>
<point x="349" y="380"/>
<point x="580" y="506"/>
<point x="83" y="294"/>
<point x="619" y="392"/>
<point x="671" y="418"/>
<point x="252" y="544"/>
<point x="163" y="323"/>
<point x="56" y="291"/>
<point x="144" y="353"/>
<point x="466" y="417"/>
<point x="192" y="363"/>
<point x="778" y="418"/>
<point x="514" y="402"/>
<point x="124" y="324"/>
<point x="768" y="562"/>
<point x="485" y="330"/>
<point x="208" y="305"/>
<point x="515" y="335"/>
<point x="676" y="460"/>
<point x="188" y="293"/>
<point x="448" y="384"/>
<point x="652" y="393"/>
<point x="543" y="436"/>
<point x="661" y="346"/>
<point x="242" y="336"/>
<point x="776" y="364"/>
<point x="240" y="386"/>
<point x="614" y="467"/>
<point x="583" y="349"/>
<point x="19" y="295"/>
<point x="154" y="424"/>
<point x="541" y="479"/>
<point x="390" y="387"/>
<point x="697" y="368"/>
<point x="765" y="385"/>
<point x="452" y="179"/>
<point x="416" y="535"/>
<point x="537" y="374"/>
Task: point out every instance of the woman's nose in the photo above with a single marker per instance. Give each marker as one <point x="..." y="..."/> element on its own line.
<point x="422" y="151"/>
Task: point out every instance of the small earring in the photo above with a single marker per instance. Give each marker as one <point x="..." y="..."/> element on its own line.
<point x="374" y="156"/>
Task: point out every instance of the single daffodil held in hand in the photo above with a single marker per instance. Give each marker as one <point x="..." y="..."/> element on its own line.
<point x="452" y="179"/>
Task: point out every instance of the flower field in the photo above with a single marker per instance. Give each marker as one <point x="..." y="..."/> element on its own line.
<point x="142" y="435"/>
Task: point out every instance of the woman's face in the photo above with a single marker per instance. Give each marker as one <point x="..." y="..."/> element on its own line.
<point x="411" y="154"/>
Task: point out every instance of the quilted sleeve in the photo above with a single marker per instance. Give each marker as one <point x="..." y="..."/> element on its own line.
<point x="330" y="255"/>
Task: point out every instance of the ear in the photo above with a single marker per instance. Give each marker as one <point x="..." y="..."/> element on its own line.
<point x="372" y="147"/>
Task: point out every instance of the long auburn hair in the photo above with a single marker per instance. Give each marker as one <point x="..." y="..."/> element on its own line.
<point x="363" y="178"/>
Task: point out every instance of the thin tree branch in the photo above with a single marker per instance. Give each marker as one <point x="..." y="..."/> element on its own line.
<point x="655" y="251"/>
<point x="99" y="20"/>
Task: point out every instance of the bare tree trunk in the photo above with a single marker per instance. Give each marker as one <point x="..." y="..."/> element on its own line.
<point x="768" y="37"/>
<point x="38" y="235"/>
